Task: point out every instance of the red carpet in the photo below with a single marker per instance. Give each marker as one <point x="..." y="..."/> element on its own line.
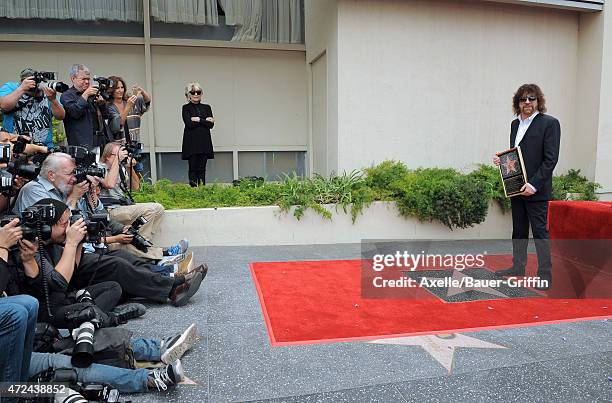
<point x="320" y="301"/>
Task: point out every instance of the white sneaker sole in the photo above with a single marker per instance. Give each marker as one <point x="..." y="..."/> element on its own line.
<point x="184" y="343"/>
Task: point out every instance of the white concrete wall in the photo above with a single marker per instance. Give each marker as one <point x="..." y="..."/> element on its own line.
<point x="259" y="97"/>
<point x="603" y="172"/>
<point x="588" y="91"/>
<point x="321" y="36"/>
<point x="431" y="82"/>
<point x="236" y="226"/>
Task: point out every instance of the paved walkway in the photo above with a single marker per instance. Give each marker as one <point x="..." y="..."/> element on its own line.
<point x="234" y="360"/>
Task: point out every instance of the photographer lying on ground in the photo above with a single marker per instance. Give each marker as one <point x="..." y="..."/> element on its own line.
<point x="169" y="351"/>
<point x="57" y="181"/>
<point x="123" y="210"/>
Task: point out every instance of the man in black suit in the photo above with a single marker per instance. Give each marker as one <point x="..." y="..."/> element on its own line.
<point x="538" y="135"/>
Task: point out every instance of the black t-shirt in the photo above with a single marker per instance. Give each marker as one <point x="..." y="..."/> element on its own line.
<point x="57" y="285"/>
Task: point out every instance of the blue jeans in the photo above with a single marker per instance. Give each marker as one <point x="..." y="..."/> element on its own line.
<point x="146" y="349"/>
<point x="126" y="380"/>
<point x="18" y="315"/>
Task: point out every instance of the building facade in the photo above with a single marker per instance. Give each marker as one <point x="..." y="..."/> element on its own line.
<point x="344" y="84"/>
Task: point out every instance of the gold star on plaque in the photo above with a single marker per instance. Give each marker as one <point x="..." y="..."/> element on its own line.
<point x="510" y="166"/>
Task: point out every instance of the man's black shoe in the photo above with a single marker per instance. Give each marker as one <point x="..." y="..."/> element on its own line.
<point x="129" y="311"/>
<point x="186" y="290"/>
<point x="545" y="282"/>
<point x="511" y="272"/>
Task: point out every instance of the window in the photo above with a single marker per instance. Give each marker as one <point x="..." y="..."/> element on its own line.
<point x="271" y="164"/>
<point x="171" y="166"/>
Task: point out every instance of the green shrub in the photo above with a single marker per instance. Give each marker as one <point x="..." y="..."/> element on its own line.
<point x="384" y="178"/>
<point x="573" y="182"/>
<point x="495" y="189"/>
<point x="455" y="200"/>
<point x="433" y="194"/>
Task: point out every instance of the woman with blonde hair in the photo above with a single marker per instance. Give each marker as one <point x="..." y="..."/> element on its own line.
<point x="197" y="143"/>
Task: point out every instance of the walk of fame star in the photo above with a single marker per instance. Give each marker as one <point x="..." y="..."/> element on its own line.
<point x="441" y="347"/>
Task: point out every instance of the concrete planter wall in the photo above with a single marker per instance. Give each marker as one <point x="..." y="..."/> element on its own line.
<point x="235" y="226"/>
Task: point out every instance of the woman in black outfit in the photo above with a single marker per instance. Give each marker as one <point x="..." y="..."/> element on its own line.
<point x="197" y="144"/>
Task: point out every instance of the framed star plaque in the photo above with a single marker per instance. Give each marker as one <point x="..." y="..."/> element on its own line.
<point x="512" y="171"/>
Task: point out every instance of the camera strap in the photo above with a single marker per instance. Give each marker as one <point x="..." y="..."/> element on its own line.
<point x="124" y="185"/>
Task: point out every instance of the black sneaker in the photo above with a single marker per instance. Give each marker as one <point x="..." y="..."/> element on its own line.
<point x="175" y="346"/>
<point x="129" y="311"/>
<point x="168" y="376"/>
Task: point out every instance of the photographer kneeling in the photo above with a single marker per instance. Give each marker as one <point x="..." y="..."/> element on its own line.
<point x="57" y="181"/>
<point x="122" y="209"/>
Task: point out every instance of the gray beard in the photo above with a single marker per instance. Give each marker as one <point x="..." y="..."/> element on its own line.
<point x="63" y="187"/>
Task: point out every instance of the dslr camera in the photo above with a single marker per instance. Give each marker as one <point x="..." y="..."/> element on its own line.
<point x="48" y="79"/>
<point x="96" y="226"/>
<point x="85" y="161"/>
<point x="35" y="221"/>
<point x="139" y="242"/>
<point x="104" y="85"/>
<point x="134" y="150"/>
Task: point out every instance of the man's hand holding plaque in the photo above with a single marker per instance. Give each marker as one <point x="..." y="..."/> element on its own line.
<point x="512" y="171"/>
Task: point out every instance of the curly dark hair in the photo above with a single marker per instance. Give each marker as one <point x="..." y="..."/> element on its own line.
<point x="528" y="89"/>
<point x="116" y="80"/>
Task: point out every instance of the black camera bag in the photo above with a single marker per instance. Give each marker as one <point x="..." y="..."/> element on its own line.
<point x="112" y="346"/>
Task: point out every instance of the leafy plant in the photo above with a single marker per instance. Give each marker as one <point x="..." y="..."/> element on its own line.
<point x="433" y="194"/>
<point x="495" y="188"/>
<point x="455" y="200"/>
<point x="58" y="131"/>
<point x="573" y="182"/>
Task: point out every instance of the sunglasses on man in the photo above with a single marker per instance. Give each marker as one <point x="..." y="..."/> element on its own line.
<point x="531" y="98"/>
<point x="195" y="92"/>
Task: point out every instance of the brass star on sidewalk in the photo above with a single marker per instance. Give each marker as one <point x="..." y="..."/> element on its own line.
<point x="441" y="347"/>
<point x="458" y="276"/>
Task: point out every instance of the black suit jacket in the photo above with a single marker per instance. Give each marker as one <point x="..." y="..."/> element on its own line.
<point x="540" y="148"/>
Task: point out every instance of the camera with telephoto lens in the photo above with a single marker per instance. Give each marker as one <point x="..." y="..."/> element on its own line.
<point x="83" y="352"/>
<point x="32" y="219"/>
<point x="48" y="79"/>
<point x="104" y="85"/>
<point x="6" y="184"/>
<point x="5" y="153"/>
<point x="21" y="167"/>
<point x="139" y="242"/>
